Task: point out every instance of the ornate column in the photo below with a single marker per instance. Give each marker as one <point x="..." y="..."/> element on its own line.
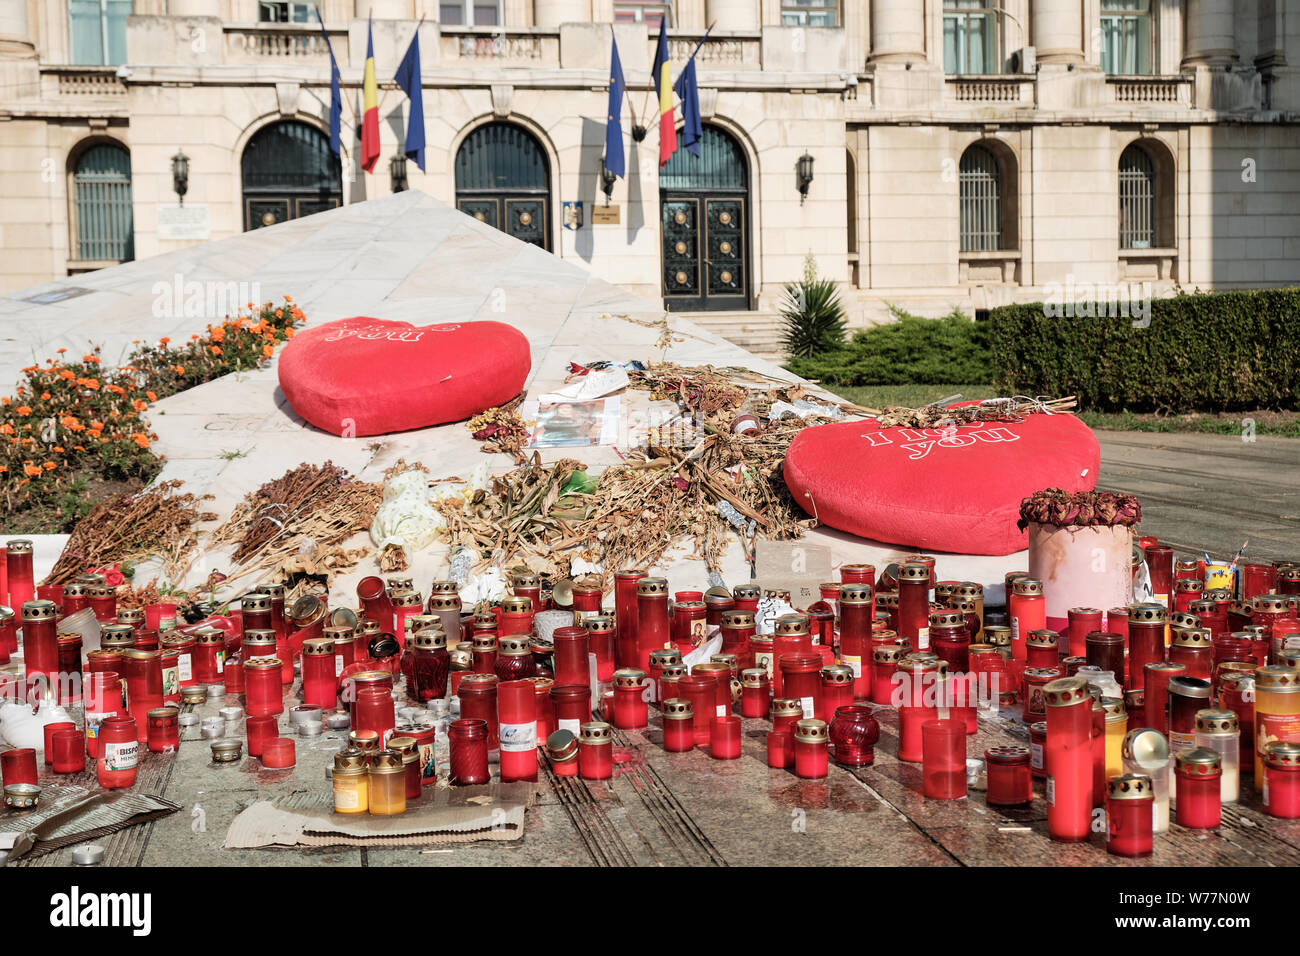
<point x="15" y="38"/>
<point x="1210" y="37"/>
<point x="733" y="14"/>
<point x="897" y="31"/>
<point x="1057" y="31"/>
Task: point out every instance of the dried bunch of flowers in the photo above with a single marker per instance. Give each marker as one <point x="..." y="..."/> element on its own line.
<point x="1081" y="509"/>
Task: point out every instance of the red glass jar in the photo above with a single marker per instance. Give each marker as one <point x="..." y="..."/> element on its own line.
<point x="857" y="573"/>
<point x="1160" y="569"/>
<point x="68" y="751"/>
<point x="1135" y="705"/>
<point x="478" y="699"/>
<point x="259" y="730"/>
<point x="467" y="740"/>
<point x="791" y="636"/>
<point x="811" y="749"/>
<point x="785" y="714"/>
<point x="183" y="647"/>
<point x="255" y="612"/>
<point x="572" y="706"/>
<point x="1010" y="780"/>
<point x="144" y="686"/>
<point x="857" y="610"/>
<point x="718" y="601"/>
<point x="914" y="604"/>
<point x="484" y="646"/>
<point x="255" y="644"/>
<point x="1257" y="579"/>
<point x="854" y="732"/>
<point x="518" y="730"/>
<point x="264" y="693"/>
<point x="1068" y="759"/>
<point x="67" y="678"/>
<point x="950" y="639"/>
<point x="885" y="661"/>
<point x="1197" y="804"/>
<point x="209" y="656"/>
<point x="373" y="709"/>
<point x="571" y="650"/>
<point x="514" y="658"/>
<point x="630" y="711"/>
<point x="1147" y="624"/>
<point x="625" y="616"/>
<point x="1038" y="750"/>
<point x="678" y="725"/>
<point x="1130" y="816"/>
<point x="1237" y="694"/>
<point x="1082" y="622"/>
<point x="119" y="752"/>
<point x="8" y="634"/>
<point x="1027" y="610"/>
<point x="737" y="627"/>
<point x="1158" y="675"/>
<point x="1185" y="592"/>
<point x="600" y="641"/>
<point x="836" y="691"/>
<point x="1043" y="648"/>
<point x="1106" y="650"/>
<point x="917" y="700"/>
<point x="319" y="683"/>
<point x="104" y="694"/>
<point x="943" y="759"/>
<point x="103" y="602"/>
<point x="701" y="690"/>
<point x="689" y="625"/>
<point x="659" y="659"/>
<point x="516" y="616"/>
<point x="595" y="751"/>
<point x="652" y="619"/>
<point x="18" y="766"/>
<point x="1281" y="779"/>
<point x="887" y="604"/>
<point x="430" y="664"/>
<point x="40" y="640"/>
<point x="800" y="681"/>
<point x="19" y="572"/>
<point x="1035" y="679"/>
<point x="723" y="697"/>
<point x="1211" y="616"/>
<point x="780" y="749"/>
<point x="164" y="733"/>
<point x="49" y="731"/>
<point x="233" y="673"/>
<point x="724" y="738"/>
<point x="1194" y="648"/>
<point x="762" y="653"/>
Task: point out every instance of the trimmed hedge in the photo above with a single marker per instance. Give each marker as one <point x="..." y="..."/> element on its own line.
<point x="911" y="351"/>
<point x="1204" y="351"/>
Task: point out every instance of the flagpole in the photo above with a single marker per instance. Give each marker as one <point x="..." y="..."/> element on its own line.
<point x="392" y="84"/>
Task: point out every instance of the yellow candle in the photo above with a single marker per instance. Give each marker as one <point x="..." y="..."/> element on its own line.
<point x="387" y="783"/>
<point x="351" y="782"/>
<point x="1277" y="711"/>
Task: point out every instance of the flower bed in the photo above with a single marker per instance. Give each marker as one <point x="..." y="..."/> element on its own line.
<point x="75" y="429"/>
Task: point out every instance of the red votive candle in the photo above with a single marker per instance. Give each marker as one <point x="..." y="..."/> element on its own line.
<point x="467" y="740"/>
<point x="119" y="752"/>
<point x="701" y="690"/>
<point x="1082" y="622"/>
<point x="755" y="693"/>
<point x="572" y="704"/>
<point x="163" y="733"/>
<point x="1197" y="800"/>
<point x="50" y="730"/>
<point x="259" y="730"/>
<point x="18" y="766"/>
<point x="780" y="749"/>
<point x="517" y="705"/>
<point x="630" y="711"/>
<point x="1281" y="779"/>
<point x="724" y="737"/>
<point x="652" y="620"/>
<point x="1068" y="759"/>
<point x="914" y="604"/>
<point x="1130" y="803"/>
<point x="595" y="751"/>
<point x="811" y="749"/>
<point x="625" y="615"/>
<point x="264" y="693"/>
<point x="853" y="734"/>
<point x="478" y="699"/>
<point x="943" y="759"/>
<point x="1010" y="781"/>
<point x="69" y="751"/>
<point x="679" y="725"/>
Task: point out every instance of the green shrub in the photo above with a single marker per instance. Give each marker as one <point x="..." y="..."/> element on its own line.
<point x="814" y="316"/>
<point x="911" y="351"/>
<point x="1204" y="351"/>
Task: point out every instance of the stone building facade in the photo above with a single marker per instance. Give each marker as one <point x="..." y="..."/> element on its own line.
<point x="963" y="153"/>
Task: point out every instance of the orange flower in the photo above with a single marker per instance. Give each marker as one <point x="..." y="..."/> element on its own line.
<point x="219" y="334"/>
<point x="139" y="406"/>
<point x="116" y="389"/>
<point x="164" y="340"/>
<point x="78" y="447"/>
<point x="267" y="351"/>
<point x="23" y="410"/>
<point x="215" y="350"/>
<point x="140" y="439"/>
<point x="4" y="400"/>
<point x="31" y="470"/>
<point x="51" y="465"/>
<point x="288" y="333"/>
<point x="97" y="426"/>
<point x="178" y="369"/>
<point x="92" y="359"/>
<point x="3" y="470"/>
<point x="58" y="450"/>
<point x="67" y="374"/>
<point x="62" y="351"/>
<point x="279" y="314"/>
<point x="288" y="298"/>
<point x="45" y="396"/>
<point x="6" y="429"/>
<point x="151" y="396"/>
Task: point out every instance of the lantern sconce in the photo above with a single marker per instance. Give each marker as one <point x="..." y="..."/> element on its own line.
<point x="180" y="175"/>
<point x="804" y="173"/>
<point x="397" y="172"/>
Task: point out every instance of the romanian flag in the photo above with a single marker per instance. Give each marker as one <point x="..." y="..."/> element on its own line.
<point x="370" y="107"/>
<point x="663" y="77"/>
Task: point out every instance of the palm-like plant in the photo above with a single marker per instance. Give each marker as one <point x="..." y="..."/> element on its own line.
<point x="814" y="316"/>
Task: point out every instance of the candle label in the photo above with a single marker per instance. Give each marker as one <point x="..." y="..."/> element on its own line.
<point x="171" y="682"/>
<point x="570" y="724"/>
<point x="221" y="661"/>
<point x="854" y="662"/>
<point x="721" y="709"/>
<point x="519" y="738"/>
<point x="807" y="703"/>
<point x="121" y="756"/>
<point x="185" y="665"/>
<point x="1051" y="791"/>
<point x="763" y="659"/>
<point x="922" y="638"/>
<point x="1270" y="727"/>
<point x="338" y="665"/>
<point x="1036" y="756"/>
<point x="346" y="798"/>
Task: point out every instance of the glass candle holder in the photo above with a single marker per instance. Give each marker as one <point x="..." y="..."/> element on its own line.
<point x="678" y="725"/>
<point x="689" y="624"/>
<point x="1197" y="803"/>
<point x="1027" y="610"/>
<point x="562" y="751"/>
<point x="652" y="619"/>
<point x="1187" y="696"/>
<point x="780" y="749"/>
<point x="630" y="711"/>
<point x="18" y="766"/>
<point x="625" y="615"/>
<point x="40" y="640"/>
<point x="914" y="604"/>
<point x="943" y="759"/>
<point x="884" y="665"/>
<point x="351" y="782"/>
<point x="800" y="681"/>
<point x="387" y="783"/>
<point x="1034" y="680"/>
<point x="595" y="751"/>
<point x="319" y="683"/>
<point x="600" y="642"/>
<point x="724" y="738"/>
<point x="1277" y="711"/>
<point x="701" y="690"/>
<point x="1082" y="621"/>
<point x="737" y="628"/>
<point x="950" y="639"/>
<point x="836" y="690"/>
<point x="1010" y="781"/>
<point x="1218" y="730"/>
<point x="1193" y="647"/>
<point x="857" y="610"/>
<point x="1160" y="570"/>
<point x="857" y="573"/>
<point x="762" y="651"/>
<point x="517" y="706"/>
<point x="572" y="704"/>
<point x="263" y="689"/>
<point x="163" y="734"/>
<point x="19" y="572"/>
<point x="785" y="714"/>
<point x="1105" y="650"/>
<point x="119" y="752"/>
<point x="1158" y="675"/>
<point x="478" y="699"/>
<point x="68" y="752"/>
<point x="1116" y="728"/>
<point x="1146" y="751"/>
<point x="1069" y="761"/>
<point x="854" y="732"/>
<point x="1043" y="648"/>
<point x="811" y="749"/>
<point x="484" y="647"/>
<point x="1129" y="815"/>
<point x="468" y="745"/>
<point x="571" y="649"/>
<point x="756" y="693"/>
<point x="514" y="658"/>
<point x="1281" y="791"/>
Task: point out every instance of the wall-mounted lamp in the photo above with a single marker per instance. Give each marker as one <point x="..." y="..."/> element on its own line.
<point x="397" y="172"/>
<point x="804" y="174"/>
<point x="607" y="180"/>
<point x="638" y="133"/>
<point x="180" y="176"/>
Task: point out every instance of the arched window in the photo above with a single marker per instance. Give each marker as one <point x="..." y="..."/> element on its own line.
<point x="289" y="171"/>
<point x="504" y="180"/>
<point x="101" y="187"/>
<point x="1137" y="199"/>
<point x="980" y="191"/>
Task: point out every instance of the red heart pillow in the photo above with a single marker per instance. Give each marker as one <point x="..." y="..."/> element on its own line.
<point x="364" y="376"/>
<point x="956" y="489"/>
